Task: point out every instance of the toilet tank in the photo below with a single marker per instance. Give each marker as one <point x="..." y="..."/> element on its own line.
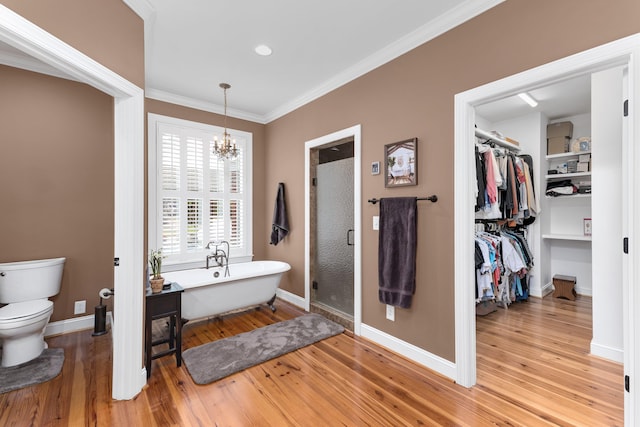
<point x="30" y="280"/>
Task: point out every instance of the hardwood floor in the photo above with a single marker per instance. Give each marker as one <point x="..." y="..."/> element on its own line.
<point x="537" y="353"/>
<point x="533" y="369"/>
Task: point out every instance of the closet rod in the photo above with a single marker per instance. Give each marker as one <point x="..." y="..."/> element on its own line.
<point x="433" y="199"/>
<point x="498" y="141"/>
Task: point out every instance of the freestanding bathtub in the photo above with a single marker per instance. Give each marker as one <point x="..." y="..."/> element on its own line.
<point x="249" y="284"/>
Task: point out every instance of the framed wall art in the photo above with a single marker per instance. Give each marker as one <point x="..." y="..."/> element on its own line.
<point x="400" y="166"/>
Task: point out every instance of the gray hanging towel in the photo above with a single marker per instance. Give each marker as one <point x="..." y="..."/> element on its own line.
<point x="397" y="242"/>
<point x="280" y="227"/>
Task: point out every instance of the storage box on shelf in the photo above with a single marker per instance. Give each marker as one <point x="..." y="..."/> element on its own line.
<point x="558" y="137"/>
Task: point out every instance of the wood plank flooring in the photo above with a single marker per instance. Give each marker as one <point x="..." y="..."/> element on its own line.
<point x="533" y="369"/>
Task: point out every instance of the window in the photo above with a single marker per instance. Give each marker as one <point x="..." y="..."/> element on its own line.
<point x="194" y="197"/>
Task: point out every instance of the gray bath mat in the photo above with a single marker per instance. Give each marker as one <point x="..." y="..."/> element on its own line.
<point x="218" y="359"/>
<point x="43" y="368"/>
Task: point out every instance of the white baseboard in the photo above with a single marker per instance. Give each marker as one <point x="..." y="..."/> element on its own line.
<point x="74" y="324"/>
<point x="407" y="350"/>
<point x="547" y="289"/>
<point x="290" y="298"/>
<point x="542" y="292"/>
<point x="588" y="292"/>
<point x="110" y="321"/>
<point x="410" y="351"/>
<point x="606" y="352"/>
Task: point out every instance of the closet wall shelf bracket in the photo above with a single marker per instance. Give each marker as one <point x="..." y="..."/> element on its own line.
<point x="433" y="199"/>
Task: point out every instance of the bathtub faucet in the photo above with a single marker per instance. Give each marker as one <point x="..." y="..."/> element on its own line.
<point x="219" y="255"/>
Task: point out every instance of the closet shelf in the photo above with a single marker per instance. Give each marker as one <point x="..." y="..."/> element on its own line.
<point x="572" y="196"/>
<point x="498" y="141"/>
<point x="566" y="155"/>
<point x="574" y="237"/>
<point x="567" y="175"/>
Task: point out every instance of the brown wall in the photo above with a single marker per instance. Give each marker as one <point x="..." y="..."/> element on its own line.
<point x="260" y="236"/>
<point x="56" y="180"/>
<point x="108" y="31"/>
<point x="413" y="96"/>
<point x="410" y="97"/>
<point x="57" y="148"/>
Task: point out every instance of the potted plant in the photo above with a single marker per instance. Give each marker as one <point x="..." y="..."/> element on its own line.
<point x="155" y="262"/>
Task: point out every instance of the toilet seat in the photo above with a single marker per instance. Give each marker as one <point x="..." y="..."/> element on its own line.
<point x="25" y="310"/>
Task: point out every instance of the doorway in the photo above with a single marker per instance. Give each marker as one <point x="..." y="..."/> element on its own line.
<point x="332" y="220"/>
<point x="589" y="105"/>
<point x="619" y="53"/>
<point x="129" y="375"/>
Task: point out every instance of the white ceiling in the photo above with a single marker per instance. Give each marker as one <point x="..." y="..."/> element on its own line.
<point x="192" y="46"/>
<point x="318" y="46"/>
<point x="563" y="99"/>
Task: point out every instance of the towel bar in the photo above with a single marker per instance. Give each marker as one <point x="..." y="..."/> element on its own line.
<point x="433" y="199"/>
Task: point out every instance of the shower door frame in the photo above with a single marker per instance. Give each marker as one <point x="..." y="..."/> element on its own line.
<point x="355" y="133"/>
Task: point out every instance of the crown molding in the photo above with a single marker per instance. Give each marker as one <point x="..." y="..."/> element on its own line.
<point x="198" y="104"/>
<point x="143" y="8"/>
<point x="429" y="31"/>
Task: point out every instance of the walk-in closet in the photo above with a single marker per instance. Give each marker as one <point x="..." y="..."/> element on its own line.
<point x="572" y="140"/>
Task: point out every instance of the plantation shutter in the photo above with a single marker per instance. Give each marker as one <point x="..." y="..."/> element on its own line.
<point x="235" y="201"/>
<point x="201" y="198"/>
<point x="170" y="225"/>
<point x="170" y="184"/>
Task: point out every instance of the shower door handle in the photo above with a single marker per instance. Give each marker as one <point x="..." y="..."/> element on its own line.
<point x="349" y="243"/>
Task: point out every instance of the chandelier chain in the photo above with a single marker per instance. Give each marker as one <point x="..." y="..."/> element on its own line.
<point x="225" y="149"/>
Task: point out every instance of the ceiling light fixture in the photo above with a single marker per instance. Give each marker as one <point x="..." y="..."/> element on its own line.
<point x="263" y="50"/>
<point x="225" y="149"/>
<point x="528" y="99"/>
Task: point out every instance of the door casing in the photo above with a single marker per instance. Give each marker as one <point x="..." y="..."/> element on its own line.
<point x="355" y="133"/>
<point x="623" y="52"/>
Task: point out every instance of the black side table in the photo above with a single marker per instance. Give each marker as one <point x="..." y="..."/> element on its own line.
<point x="167" y="303"/>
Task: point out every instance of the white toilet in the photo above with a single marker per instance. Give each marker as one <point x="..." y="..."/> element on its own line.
<point x="25" y="287"/>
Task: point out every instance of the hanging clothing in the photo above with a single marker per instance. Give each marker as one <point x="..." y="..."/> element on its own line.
<point x="481" y="180"/>
<point x="492" y="186"/>
<point x="484" y="277"/>
<point x="504" y="185"/>
<point x="533" y="200"/>
<point x="503" y="262"/>
<point x="504" y="191"/>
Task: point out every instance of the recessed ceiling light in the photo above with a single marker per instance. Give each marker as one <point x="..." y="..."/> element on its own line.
<point x="263" y="50"/>
<point x="528" y="99"/>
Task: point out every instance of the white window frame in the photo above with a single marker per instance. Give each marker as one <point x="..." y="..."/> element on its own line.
<point x="195" y="259"/>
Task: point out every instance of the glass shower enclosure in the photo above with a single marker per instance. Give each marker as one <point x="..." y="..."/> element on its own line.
<point x="333" y="282"/>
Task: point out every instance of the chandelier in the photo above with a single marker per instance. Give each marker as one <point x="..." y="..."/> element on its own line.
<point x="225" y="149"/>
